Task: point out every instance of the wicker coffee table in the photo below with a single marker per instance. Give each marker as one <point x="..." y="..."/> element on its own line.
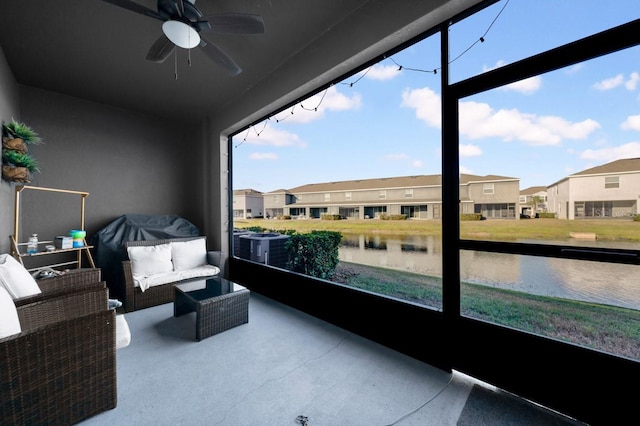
<point x="219" y="305"/>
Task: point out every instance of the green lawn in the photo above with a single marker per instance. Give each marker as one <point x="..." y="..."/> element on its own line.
<point x="501" y="230"/>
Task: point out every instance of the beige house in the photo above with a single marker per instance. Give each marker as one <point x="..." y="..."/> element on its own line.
<point x="418" y="197"/>
<point x="247" y="204"/>
<point x="527" y="198"/>
<point x="610" y="190"/>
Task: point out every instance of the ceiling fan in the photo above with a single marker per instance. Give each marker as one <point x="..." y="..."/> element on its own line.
<point x="184" y="23"/>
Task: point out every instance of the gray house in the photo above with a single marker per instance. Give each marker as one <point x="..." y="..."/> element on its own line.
<point x="607" y="191"/>
<point x="533" y="200"/>
<point x="417" y="197"/>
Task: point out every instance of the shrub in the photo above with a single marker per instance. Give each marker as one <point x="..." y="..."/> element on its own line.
<point x="283" y="217"/>
<point x="314" y="254"/>
<point x="547" y="215"/>
<point x="471" y="216"/>
<point x="385" y="216"/>
<point x="328" y="216"/>
<point x="636" y="217"/>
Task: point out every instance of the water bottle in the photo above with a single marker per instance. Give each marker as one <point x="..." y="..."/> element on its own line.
<point x="32" y="245"/>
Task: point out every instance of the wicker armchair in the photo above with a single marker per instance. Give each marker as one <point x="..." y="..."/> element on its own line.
<point x="61" y="369"/>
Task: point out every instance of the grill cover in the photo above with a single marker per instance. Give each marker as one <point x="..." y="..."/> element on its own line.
<point x="108" y="243"/>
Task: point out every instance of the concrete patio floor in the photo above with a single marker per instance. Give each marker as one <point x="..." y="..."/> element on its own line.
<point x="284" y="364"/>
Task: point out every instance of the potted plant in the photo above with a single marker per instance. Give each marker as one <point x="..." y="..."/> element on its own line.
<point x="17" y="164"/>
<point x="18" y="135"/>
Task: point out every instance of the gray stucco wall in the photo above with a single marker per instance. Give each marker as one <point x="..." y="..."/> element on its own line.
<point x="9" y="108"/>
<point x="128" y="162"/>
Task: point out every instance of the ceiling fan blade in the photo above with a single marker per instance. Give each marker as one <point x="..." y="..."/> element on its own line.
<point x="160" y="50"/>
<point x="232" y="23"/>
<point x="219" y="57"/>
<point x="180" y="5"/>
<point x="134" y="7"/>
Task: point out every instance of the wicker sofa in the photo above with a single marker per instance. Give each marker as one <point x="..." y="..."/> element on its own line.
<point x="135" y="298"/>
<point x="61" y="368"/>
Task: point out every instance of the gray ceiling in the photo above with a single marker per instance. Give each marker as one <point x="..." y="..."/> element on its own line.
<point x="94" y="50"/>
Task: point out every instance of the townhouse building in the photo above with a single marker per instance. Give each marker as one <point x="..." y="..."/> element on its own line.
<point x="417" y="197"/>
<point x="533" y="200"/>
<point x="610" y="190"/>
<point x="247" y="204"/>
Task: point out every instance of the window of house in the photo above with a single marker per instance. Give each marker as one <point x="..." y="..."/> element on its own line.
<point x="276" y="199"/>
<point x="611" y="182"/>
<point x="382" y="195"/>
<point x="347" y="195"/>
<point x="327" y="197"/>
<point x="487" y="188"/>
<point x="408" y="193"/>
<point x="523" y="199"/>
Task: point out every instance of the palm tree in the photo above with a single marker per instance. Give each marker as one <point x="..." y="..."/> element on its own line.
<point x="534" y="202"/>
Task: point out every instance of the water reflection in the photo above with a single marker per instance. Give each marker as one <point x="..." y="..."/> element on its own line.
<point x="597" y="282"/>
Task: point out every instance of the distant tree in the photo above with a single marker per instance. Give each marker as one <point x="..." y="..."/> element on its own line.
<point x="535" y="201"/>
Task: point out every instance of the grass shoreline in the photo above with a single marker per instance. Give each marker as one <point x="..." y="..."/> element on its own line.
<point x="602" y="327"/>
<point x="624" y="230"/>
<point x="607" y="328"/>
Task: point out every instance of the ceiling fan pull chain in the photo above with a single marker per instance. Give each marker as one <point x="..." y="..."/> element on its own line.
<point x="175" y="63"/>
<point x="189" y="50"/>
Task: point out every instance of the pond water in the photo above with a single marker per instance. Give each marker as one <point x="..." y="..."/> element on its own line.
<point x="598" y="282"/>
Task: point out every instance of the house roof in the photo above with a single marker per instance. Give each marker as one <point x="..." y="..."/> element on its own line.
<point x="533" y="190"/>
<point x="618" y="166"/>
<point x="391" y="182"/>
<point x="625" y="165"/>
<point x="246" y="192"/>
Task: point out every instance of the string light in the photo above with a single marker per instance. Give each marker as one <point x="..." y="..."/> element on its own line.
<point x="401" y="67"/>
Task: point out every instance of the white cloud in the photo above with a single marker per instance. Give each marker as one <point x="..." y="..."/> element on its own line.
<point x="465" y="170"/>
<point x="396" y="157"/>
<point x="314" y="107"/>
<point x="417" y="164"/>
<point x="426" y="103"/>
<point x="263" y="156"/>
<point x="270" y="136"/>
<point x="609" y="83"/>
<point x="478" y="120"/>
<point x="383" y="72"/>
<point x="526" y="86"/>
<point x="632" y="83"/>
<point x="469" y="150"/>
<point x="605" y="155"/>
<point x="631" y="123"/>
<point x="574" y="69"/>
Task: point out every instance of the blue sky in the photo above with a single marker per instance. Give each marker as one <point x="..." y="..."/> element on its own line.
<point x="385" y="122"/>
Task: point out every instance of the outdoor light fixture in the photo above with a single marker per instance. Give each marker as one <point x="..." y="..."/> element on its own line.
<point x="181" y="34"/>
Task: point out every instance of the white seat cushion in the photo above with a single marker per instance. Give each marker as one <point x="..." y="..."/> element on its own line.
<point x="149" y="260"/>
<point x="16" y="279"/>
<point x="189" y="254"/>
<point x="169" y="277"/>
<point x="9" y="321"/>
<point x="123" y="335"/>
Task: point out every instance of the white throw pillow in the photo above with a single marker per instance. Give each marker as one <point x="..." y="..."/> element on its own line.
<point x="16" y="279"/>
<point x="149" y="260"/>
<point x="9" y="321"/>
<point x="189" y="254"/>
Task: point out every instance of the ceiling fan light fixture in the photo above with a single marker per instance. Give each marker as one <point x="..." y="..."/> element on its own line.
<point x="181" y="34"/>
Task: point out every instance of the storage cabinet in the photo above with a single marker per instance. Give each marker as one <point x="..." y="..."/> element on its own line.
<point x="19" y="249"/>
